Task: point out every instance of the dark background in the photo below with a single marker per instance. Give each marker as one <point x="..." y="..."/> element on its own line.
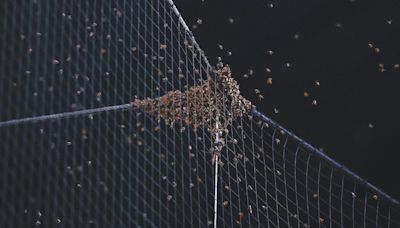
<point x="356" y="116"/>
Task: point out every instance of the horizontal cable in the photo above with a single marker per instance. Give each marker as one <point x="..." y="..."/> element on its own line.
<point x="64" y="115"/>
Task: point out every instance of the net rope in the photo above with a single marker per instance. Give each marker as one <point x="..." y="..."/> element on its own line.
<point x="112" y="116"/>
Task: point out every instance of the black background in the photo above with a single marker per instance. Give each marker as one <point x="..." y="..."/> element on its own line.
<point x="356" y="119"/>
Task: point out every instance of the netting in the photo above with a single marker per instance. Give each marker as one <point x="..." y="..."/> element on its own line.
<point x="111" y="116"/>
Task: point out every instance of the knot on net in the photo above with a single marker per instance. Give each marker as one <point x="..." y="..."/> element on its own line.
<point x="214" y="104"/>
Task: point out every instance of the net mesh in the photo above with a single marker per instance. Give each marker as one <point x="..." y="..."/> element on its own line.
<point x="101" y="126"/>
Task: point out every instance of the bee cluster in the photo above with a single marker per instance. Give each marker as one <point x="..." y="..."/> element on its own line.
<point x="214" y="104"/>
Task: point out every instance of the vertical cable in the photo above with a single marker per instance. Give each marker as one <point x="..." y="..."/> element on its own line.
<point x="216" y="166"/>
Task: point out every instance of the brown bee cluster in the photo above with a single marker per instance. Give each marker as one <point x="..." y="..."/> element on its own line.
<point x="214" y="104"/>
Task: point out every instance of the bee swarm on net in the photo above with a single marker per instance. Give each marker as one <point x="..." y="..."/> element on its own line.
<point x="215" y="100"/>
